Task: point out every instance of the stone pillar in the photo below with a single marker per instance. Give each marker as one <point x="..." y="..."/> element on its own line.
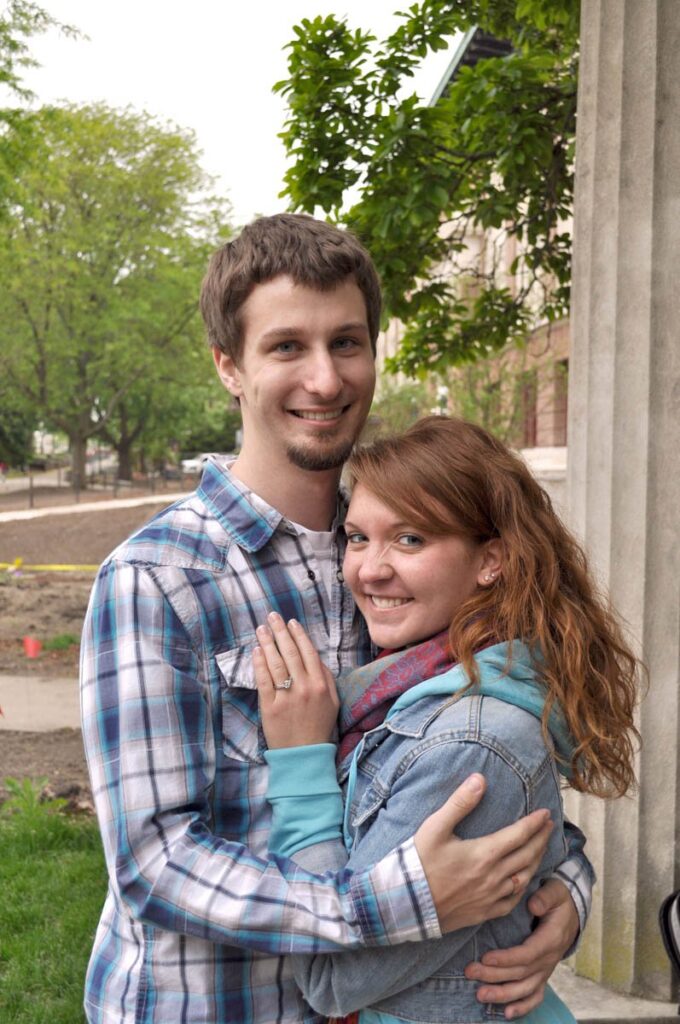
<point x="624" y="447"/>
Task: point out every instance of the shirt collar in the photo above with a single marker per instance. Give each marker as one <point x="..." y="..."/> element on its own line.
<point x="241" y="513"/>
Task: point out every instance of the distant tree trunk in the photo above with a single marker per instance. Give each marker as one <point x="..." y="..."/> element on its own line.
<point x="78" y="462"/>
<point x="124" y="452"/>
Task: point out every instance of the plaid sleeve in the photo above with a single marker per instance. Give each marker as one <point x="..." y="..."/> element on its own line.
<point x="148" y="735"/>
<point x="578" y="875"/>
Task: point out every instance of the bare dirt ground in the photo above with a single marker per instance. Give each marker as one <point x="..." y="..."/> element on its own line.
<point x="50" y="605"/>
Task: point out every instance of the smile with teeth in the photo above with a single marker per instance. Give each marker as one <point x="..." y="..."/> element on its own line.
<point x="389" y="602"/>
<point x="321" y="417"/>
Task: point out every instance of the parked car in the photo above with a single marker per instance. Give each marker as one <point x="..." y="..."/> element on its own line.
<point x="195" y="465"/>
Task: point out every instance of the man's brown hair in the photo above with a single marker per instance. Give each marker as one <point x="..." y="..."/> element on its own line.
<point x="313" y="253"/>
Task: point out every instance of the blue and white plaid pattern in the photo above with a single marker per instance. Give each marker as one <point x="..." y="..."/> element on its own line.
<point x="195" y="923"/>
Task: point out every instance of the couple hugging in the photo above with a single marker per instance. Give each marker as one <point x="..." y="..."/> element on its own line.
<point x="326" y="735"/>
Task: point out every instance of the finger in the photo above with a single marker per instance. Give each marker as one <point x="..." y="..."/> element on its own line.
<point x="286" y="644"/>
<point x="463" y="800"/>
<point x="524" y="860"/>
<point x="511" y="991"/>
<point x="531" y="989"/>
<point x="498" y="975"/>
<point x="271" y="653"/>
<point x="525" y="1006"/>
<point x="515" y="957"/>
<point x="551" y="895"/>
<point x="265" y="687"/>
<point x="308" y="653"/>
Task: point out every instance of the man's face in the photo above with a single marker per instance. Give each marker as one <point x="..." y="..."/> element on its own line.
<point x="306" y="375"/>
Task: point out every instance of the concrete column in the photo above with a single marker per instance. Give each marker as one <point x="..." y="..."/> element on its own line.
<point x="624" y="447"/>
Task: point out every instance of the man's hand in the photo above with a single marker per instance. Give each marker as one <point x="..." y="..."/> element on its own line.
<point x="518" y="976"/>
<point x="475" y="880"/>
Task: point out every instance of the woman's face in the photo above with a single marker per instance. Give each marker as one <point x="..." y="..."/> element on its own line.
<point x="408" y="584"/>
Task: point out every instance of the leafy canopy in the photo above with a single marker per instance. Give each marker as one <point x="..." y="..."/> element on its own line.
<point x="495" y="152"/>
<point x="102" y="252"/>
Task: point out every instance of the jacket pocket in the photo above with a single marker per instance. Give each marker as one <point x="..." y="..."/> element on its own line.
<point x="242" y="736"/>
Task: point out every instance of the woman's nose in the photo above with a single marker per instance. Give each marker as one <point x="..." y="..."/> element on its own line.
<point x="375" y="566"/>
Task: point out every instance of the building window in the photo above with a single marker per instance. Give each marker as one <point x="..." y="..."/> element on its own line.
<point x="561" y="401"/>
<point x="528" y="398"/>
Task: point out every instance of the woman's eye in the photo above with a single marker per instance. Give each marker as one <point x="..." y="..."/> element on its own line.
<point x="410" y="540"/>
<point x="356" y="538"/>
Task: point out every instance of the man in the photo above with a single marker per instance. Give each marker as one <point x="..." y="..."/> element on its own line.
<point x="196" y="920"/>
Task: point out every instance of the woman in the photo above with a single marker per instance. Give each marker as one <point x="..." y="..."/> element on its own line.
<point x="499" y="658"/>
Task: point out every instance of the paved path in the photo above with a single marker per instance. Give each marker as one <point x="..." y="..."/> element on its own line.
<point x="38" y="703"/>
<point x="92" y="506"/>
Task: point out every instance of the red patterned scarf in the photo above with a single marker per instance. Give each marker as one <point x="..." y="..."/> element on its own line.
<point x="368" y="693"/>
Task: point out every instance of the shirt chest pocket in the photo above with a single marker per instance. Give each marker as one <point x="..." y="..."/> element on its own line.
<point x="242" y="736"/>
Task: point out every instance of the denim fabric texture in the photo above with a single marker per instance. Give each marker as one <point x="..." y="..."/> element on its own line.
<point x="405" y="770"/>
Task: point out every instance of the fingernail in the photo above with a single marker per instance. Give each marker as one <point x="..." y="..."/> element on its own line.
<point x="294" y="623"/>
<point x="262" y="631"/>
<point x="274" y="617"/>
<point x="257" y="652"/>
<point x="491" y="961"/>
<point x="475" y="783"/>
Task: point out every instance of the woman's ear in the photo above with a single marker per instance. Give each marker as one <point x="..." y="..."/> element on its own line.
<point x="492" y="563"/>
<point x="228" y="372"/>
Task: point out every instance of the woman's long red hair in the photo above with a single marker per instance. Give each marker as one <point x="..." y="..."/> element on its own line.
<point x="447" y="476"/>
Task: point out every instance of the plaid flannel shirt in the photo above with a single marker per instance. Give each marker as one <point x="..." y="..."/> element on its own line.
<point x="196" y="918"/>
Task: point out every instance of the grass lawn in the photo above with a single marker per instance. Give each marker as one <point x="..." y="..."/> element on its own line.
<point x="52" y="887"/>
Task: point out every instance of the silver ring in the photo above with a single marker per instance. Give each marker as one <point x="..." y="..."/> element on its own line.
<point x="285" y="684"/>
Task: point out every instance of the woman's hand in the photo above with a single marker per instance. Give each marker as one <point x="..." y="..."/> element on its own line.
<point x="298" y="700"/>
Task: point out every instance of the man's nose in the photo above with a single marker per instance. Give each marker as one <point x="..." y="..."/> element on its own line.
<point x="322" y="376"/>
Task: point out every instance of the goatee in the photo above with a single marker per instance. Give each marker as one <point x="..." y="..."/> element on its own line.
<point x="315" y="460"/>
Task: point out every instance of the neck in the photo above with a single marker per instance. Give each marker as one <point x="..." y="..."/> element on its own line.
<point x="308" y="498"/>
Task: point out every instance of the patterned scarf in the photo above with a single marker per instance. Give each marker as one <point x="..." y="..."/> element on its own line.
<point x="368" y="693"/>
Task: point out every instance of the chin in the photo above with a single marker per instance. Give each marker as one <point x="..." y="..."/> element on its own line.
<point x="319" y="459"/>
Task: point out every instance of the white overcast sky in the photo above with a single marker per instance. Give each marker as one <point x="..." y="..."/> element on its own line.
<point x="206" y="65"/>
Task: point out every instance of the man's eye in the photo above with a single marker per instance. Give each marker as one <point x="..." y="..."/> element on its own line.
<point x="345" y="343"/>
<point x="410" y="540"/>
<point x="356" y="538"/>
<point x="286" y="347"/>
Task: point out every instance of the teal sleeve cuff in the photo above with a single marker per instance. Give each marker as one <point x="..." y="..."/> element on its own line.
<point x="305" y="798"/>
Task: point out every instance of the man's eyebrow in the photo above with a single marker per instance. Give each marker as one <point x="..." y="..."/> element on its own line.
<point x="290" y="332"/>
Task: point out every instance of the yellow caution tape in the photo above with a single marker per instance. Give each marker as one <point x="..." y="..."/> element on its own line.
<point x="18" y="565"/>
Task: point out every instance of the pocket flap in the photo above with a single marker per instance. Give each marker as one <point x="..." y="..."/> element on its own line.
<point x="236" y="666"/>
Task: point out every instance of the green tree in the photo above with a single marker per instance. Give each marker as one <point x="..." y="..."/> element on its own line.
<point x="397" y="406"/>
<point x="495" y="152"/>
<point x="17" y="424"/>
<point x="101" y="257"/>
<point x="20" y="20"/>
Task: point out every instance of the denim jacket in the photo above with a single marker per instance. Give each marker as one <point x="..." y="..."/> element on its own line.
<point x="405" y="769"/>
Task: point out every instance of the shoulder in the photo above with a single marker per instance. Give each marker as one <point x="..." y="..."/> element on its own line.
<point x="511" y="733"/>
<point x="185" y="535"/>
